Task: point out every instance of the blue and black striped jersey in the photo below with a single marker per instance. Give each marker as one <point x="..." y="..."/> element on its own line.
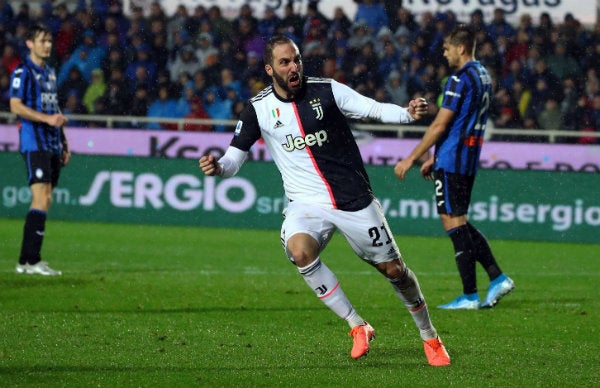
<point x="37" y="89"/>
<point x="467" y="93"/>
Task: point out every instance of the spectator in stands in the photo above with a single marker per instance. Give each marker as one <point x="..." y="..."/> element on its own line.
<point x="87" y="57"/>
<point x="222" y="28"/>
<point x="517" y="49"/>
<point x="267" y="25"/>
<point x="499" y="26"/>
<point x="197" y="112"/>
<point x="396" y="89"/>
<point x="592" y="122"/>
<point x="74" y="106"/>
<point x="254" y="66"/>
<point x="514" y="72"/>
<point x="312" y="14"/>
<point x="4" y="92"/>
<point x="74" y="82"/>
<point x="248" y="39"/>
<point x="140" y="104"/>
<point x="184" y="102"/>
<point x="316" y="34"/>
<point x="522" y="96"/>
<point x="291" y="24"/>
<point x="246" y="14"/>
<point x="526" y="24"/>
<point x="489" y="57"/>
<point x="365" y="70"/>
<point x="504" y="113"/>
<point x="477" y="21"/>
<point x="205" y="53"/>
<point x="165" y="106"/>
<point x="373" y="14"/>
<point x="7" y="15"/>
<point x="116" y="99"/>
<point x="229" y="57"/>
<point x="143" y="68"/>
<point x="65" y="40"/>
<point x="571" y="118"/>
<point x="549" y="118"/>
<point x="180" y="21"/>
<point x="404" y="19"/>
<point x="560" y="63"/>
<point x="340" y="22"/>
<point x="9" y="59"/>
<point x="389" y="60"/>
<point x="186" y="62"/>
<point x="331" y="70"/>
<point x="217" y="108"/>
<point x="157" y="13"/>
<point x="359" y="37"/>
<point x="542" y="36"/>
<point x="95" y="90"/>
<point x="114" y="60"/>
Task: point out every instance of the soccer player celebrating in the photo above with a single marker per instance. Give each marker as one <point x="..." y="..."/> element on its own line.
<point x="457" y="132"/>
<point x="43" y="144"/>
<point x="303" y="122"/>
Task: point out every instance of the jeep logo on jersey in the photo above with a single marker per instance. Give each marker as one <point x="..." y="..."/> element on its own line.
<point x="316" y="106"/>
<point x="300" y="142"/>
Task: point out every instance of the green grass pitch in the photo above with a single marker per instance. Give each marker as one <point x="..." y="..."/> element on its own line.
<point x="158" y="306"/>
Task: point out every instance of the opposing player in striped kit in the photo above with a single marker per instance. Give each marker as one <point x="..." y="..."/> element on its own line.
<point x="457" y="132"/>
<point x="43" y="145"/>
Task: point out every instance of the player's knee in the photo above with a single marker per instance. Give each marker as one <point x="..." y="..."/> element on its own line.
<point x="301" y="257"/>
<point x="392" y="269"/>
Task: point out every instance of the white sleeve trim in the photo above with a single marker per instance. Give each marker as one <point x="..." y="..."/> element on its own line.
<point x="232" y="161"/>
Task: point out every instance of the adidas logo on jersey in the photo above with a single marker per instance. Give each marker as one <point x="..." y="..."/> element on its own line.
<point x="278" y="124"/>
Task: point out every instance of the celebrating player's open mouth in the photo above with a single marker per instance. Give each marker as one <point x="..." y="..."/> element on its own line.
<point x="294" y="81"/>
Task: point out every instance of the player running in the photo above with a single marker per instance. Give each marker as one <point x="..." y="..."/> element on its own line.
<point x="303" y="122"/>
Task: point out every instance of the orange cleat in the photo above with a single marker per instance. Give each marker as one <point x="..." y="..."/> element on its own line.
<point x="362" y="335"/>
<point x="436" y="352"/>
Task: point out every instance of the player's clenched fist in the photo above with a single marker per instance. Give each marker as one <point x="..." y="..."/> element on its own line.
<point x="208" y="164"/>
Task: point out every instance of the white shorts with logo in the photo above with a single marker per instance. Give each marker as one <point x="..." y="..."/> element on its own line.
<point x="366" y="230"/>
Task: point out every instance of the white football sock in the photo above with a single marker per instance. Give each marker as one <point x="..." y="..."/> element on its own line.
<point x="326" y="286"/>
<point x="408" y="290"/>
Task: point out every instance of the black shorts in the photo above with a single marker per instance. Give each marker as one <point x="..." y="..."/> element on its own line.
<point x="452" y="192"/>
<point x="42" y="167"/>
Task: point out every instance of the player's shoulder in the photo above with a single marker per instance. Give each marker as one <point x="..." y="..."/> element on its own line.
<point x="20" y="69"/>
<point x="262" y="95"/>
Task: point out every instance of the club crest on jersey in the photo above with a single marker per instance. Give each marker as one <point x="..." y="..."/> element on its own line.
<point x="316" y="106"/>
<point x="276" y="113"/>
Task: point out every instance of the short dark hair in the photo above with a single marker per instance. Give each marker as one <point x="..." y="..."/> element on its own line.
<point x="462" y="34"/>
<point x="36" y="29"/>
<point x="274" y="41"/>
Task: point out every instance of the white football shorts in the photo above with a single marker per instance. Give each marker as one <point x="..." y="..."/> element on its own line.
<point x="366" y="230"/>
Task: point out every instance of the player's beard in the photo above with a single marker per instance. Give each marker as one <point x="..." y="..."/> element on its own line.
<point x="283" y="84"/>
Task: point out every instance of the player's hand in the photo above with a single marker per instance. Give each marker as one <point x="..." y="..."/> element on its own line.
<point x="402" y="168"/>
<point x="427" y="169"/>
<point x="66" y="156"/>
<point x="418" y="108"/>
<point x="57" y="120"/>
<point x="208" y="164"/>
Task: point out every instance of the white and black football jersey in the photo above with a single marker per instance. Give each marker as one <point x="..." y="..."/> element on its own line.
<point x="311" y="141"/>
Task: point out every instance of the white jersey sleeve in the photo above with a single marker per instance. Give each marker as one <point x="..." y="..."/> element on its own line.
<point x="356" y="106"/>
<point x="232" y="161"/>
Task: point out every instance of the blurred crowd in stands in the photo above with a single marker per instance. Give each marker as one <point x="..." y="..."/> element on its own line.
<point x="198" y="64"/>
